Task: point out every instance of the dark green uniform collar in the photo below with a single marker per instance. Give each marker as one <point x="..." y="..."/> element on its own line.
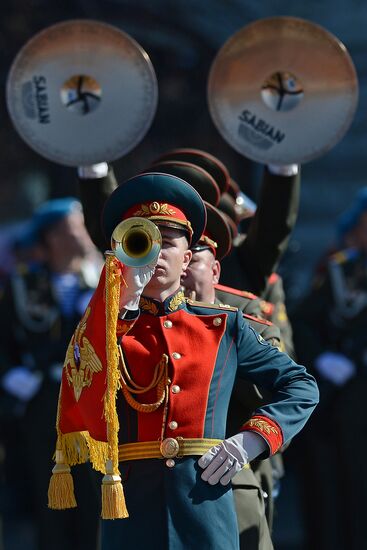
<point x="172" y="303"/>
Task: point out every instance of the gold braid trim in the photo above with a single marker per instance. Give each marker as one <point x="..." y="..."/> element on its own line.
<point x="146" y="407"/>
<point x="159" y="381"/>
<point x="113" y="499"/>
<point x="158" y="373"/>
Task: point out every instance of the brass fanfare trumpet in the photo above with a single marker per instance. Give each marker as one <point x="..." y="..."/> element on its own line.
<point x="136" y="242"/>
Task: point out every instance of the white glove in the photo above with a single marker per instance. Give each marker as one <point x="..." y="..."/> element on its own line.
<point x="224" y="461"/>
<point x="283" y="170"/>
<point x="93" y="171"/>
<point x="22" y="383"/>
<point x="136" y="279"/>
<point x="335" y="367"/>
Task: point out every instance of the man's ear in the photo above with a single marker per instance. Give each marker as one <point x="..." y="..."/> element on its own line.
<point x="186" y="259"/>
<point x="216" y="272"/>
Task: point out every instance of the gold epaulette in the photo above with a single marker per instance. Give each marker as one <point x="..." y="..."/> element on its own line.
<point x="211" y="306"/>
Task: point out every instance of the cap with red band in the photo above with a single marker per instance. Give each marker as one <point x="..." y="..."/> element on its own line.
<point x="161" y="213"/>
<point x="162" y="198"/>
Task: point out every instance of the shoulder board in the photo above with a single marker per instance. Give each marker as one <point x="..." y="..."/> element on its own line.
<point x="344" y="255"/>
<point x="211" y="306"/>
<point x="258" y="320"/>
<point x="231" y="290"/>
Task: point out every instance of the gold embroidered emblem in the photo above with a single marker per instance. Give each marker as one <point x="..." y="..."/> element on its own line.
<point x="176" y="301"/>
<point x="148" y="305"/>
<point x="263" y="426"/>
<point x="81" y="360"/>
<point x="154" y="209"/>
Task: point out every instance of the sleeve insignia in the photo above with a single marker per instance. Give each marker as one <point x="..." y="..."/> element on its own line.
<point x="259" y="338"/>
<point x="263" y="426"/>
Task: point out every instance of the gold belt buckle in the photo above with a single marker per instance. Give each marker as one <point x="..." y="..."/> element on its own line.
<point x="169" y="447"/>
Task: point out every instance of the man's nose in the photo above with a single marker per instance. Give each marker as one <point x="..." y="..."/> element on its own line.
<point x="160" y="255"/>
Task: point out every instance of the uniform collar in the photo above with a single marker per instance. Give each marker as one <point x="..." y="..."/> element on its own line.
<point x="172" y="303"/>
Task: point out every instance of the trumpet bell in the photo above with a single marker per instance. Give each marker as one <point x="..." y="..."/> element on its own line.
<point x="136" y="242"/>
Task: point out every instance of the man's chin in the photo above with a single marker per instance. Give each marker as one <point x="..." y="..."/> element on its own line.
<point x="158" y="280"/>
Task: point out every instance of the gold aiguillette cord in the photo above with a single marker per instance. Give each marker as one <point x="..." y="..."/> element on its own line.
<point x="160" y="381"/>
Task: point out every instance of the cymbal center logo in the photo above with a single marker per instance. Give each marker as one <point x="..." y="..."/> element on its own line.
<point x="81" y="94"/>
<point x="282" y="91"/>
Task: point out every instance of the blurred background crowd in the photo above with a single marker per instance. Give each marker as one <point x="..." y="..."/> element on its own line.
<point x="319" y="502"/>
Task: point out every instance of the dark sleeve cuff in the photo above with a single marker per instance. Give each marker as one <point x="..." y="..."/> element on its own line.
<point x="125" y="324"/>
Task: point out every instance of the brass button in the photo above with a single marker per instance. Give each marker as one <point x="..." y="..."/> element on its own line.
<point x="173" y="425"/>
<point x="217" y="321"/>
<point x="176" y="389"/>
<point x="167" y="324"/>
<point x="176" y="355"/>
<point x="170" y="463"/>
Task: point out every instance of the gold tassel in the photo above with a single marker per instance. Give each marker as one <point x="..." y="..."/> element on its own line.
<point x="113" y="499"/>
<point x="61" y="488"/>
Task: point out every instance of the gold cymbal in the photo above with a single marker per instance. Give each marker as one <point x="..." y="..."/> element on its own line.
<point x="80" y="92"/>
<point x="282" y="90"/>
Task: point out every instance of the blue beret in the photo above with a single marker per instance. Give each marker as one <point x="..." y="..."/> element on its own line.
<point x="52" y="211"/>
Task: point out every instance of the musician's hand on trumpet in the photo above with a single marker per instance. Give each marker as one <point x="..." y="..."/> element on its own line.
<point x="134" y="281"/>
<point x="136" y="242"/>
